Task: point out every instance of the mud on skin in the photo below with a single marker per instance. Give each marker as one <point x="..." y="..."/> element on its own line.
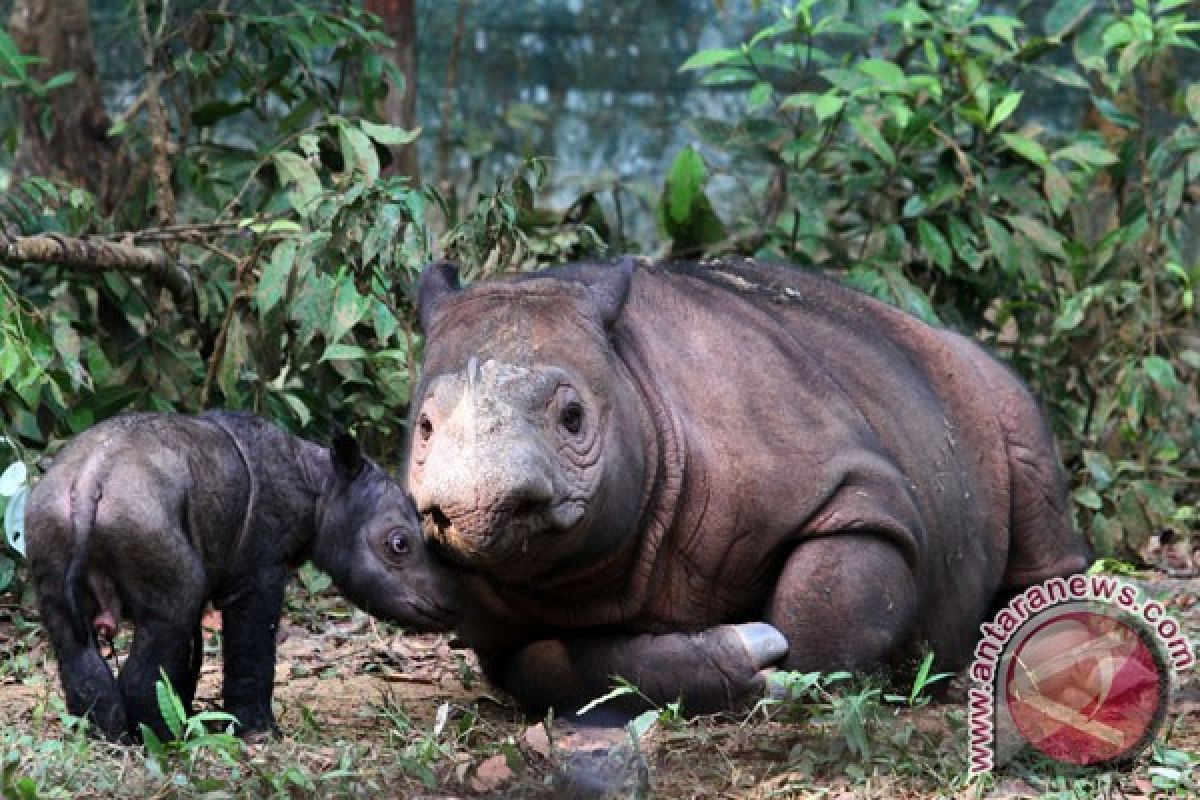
<point x="147" y="517"/>
<point x="688" y="472"/>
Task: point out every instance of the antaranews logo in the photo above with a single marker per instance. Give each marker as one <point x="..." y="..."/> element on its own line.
<point x="1079" y="668"/>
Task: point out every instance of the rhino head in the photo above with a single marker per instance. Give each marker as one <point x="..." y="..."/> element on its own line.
<point x="369" y="540"/>
<point x="526" y="451"/>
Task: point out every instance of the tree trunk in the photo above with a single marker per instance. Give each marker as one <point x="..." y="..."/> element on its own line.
<point x="71" y="144"/>
<point x="399" y="21"/>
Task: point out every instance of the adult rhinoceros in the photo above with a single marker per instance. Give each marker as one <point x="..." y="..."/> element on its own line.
<point x="638" y="465"/>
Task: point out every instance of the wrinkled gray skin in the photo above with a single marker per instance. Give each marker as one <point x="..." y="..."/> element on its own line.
<point x="686" y="473"/>
<point x="151" y="516"/>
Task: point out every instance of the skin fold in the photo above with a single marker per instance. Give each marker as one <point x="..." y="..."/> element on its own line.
<point x="148" y="517"/>
<point x="633" y="465"/>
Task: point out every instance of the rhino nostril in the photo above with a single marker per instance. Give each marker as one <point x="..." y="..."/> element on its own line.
<point x="439" y="518"/>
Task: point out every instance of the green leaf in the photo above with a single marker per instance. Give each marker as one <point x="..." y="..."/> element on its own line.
<point x="1044" y="238"/>
<point x="8" y="569"/>
<point x="890" y="76"/>
<point x="273" y="284"/>
<point x="1057" y="189"/>
<point x="13" y="478"/>
<point x="935" y="244"/>
<point x="643" y="722"/>
<point x="236" y="357"/>
<point x="14" y="520"/>
<point x="348" y="352"/>
<point x="1065" y="76"/>
<point x="1004" y="109"/>
<point x="10" y="362"/>
<point x="169" y="704"/>
<point x="1192" y="98"/>
<point x="1114" y="114"/>
<point x="1002" y="246"/>
<point x="710" y="58"/>
<point x="152" y="743"/>
<point x="1086" y="154"/>
<point x="1026" y="148"/>
<point x="300" y="179"/>
<point x="685" y="183"/>
<point x="1088" y="498"/>
<point x="759" y="96"/>
<point x="357" y="150"/>
<point x="619" y="691"/>
<point x="210" y="113"/>
<point x="390" y="135"/>
<point x="1100" y="467"/>
<point x="873" y="139"/>
<point x="1065" y="16"/>
<point x="58" y="81"/>
<point x="348" y="308"/>
<point x="1161" y="372"/>
<point x="827" y="105"/>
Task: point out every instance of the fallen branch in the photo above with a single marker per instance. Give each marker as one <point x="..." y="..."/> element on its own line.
<point x="98" y="255"/>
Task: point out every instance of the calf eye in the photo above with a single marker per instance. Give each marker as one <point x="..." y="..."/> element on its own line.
<point x="571" y="417"/>
<point x="424" y="428"/>
<point x="398" y="542"/>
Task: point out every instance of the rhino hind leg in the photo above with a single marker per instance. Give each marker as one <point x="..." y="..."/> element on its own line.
<point x="158" y="644"/>
<point x="88" y="683"/>
<point x="844" y="601"/>
<point x="249" y="625"/>
<point x="1043" y="543"/>
<point x="709" y="670"/>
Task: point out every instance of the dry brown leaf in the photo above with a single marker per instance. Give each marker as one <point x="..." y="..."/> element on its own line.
<point x="537" y="740"/>
<point x="491" y="774"/>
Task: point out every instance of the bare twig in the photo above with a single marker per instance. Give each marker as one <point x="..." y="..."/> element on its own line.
<point x="447" y="111"/>
<point x="235" y="299"/>
<point x="98" y="255"/>
<point x="964" y="164"/>
<point x="156" y="110"/>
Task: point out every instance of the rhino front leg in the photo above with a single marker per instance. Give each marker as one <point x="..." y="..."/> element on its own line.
<point x="843" y="602"/>
<point x="88" y="683"/>
<point x="249" y="624"/>
<point x="709" y="670"/>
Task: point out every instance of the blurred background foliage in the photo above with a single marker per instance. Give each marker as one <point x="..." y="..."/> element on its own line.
<point x="1021" y="171"/>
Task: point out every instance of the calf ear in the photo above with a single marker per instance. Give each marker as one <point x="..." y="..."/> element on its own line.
<point x="345" y="455"/>
<point x="438" y="281"/>
<point x="609" y="289"/>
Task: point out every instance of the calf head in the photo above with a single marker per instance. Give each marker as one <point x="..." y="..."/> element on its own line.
<point x="370" y="542"/>
<point x="527" y="433"/>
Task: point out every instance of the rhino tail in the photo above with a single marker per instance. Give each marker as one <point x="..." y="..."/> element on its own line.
<point x="85" y="498"/>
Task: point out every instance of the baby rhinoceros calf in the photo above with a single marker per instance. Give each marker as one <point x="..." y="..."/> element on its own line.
<point x="148" y="517"/>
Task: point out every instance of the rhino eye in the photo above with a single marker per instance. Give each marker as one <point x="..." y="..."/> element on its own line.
<point x="424" y="427"/>
<point x="571" y="417"/>
<point x="398" y="542"/>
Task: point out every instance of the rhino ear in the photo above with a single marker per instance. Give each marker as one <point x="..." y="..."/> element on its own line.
<point x="345" y="455"/>
<point x="438" y="281"/>
<point x="610" y="288"/>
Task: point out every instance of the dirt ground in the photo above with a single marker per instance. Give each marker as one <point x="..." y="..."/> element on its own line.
<point x="366" y="710"/>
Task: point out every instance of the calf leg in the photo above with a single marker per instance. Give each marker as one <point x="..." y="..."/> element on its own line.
<point x="159" y="643"/>
<point x="249" y="623"/>
<point x="87" y="681"/>
<point x="709" y="670"/>
<point x="844" y="602"/>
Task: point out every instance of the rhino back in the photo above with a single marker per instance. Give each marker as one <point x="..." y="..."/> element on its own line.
<point x="811" y="409"/>
<point x="168" y="488"/>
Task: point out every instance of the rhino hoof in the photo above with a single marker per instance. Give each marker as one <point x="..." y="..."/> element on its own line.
<point x="764" y="643"/>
